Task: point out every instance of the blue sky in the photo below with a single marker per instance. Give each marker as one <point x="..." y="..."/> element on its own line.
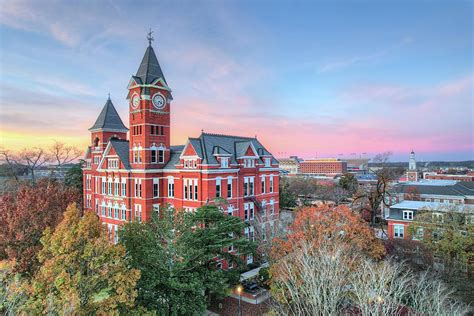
<point x="310" y="78"/>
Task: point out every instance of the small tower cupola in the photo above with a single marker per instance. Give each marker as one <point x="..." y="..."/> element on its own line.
<point x="412" y="162"/>
<point x="108" y="125"/>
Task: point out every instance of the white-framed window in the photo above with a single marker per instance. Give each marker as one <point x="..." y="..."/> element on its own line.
<point x="117" y="186"/>
<point x="156" y="188"/>
<point x="88" y="181"/>
<point x="230" y="210"/>
<point x="272" y="207"/>
<point x="154" y="154"/>
<point x="190" y="163"/>
<point x="218" y="187"/>
<point x="109" y="210"/>
<point x="249" y="188"/>
<point x="138" y="187"/>
<point x="270" y="188"/>
<point x="138" y="212"/>
<point x="249" y="233"/>
<point x="263" y="184"/>
<point x="124" y="186"/>
<point x="249" y="163"/>
<point x="408" y="215"/>
<point x="156" y="209"/>
<point x="96" y="160"/>
<point x="112" y="163"/>
<point x="398" y="231"/>
<point x="195" y="189"/>
<point x="161" y="154"/>
<point x="124" y="212"/>
<point x="268" y="162"/>
<point x="109" y="186"/>
<point x="224" y="162"/>
<point x="103" y="208"/>
<point x="229" y="187"/>
<point x="170" y="187"/>
<point x="231" y="247"/>
<point x="116" y="211"/>
<point x="249" y="211"/>
<point x="88" y="201"/>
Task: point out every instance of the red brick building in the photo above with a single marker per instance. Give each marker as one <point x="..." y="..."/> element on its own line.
<point x="323" y="166"/>
<point x="128" y="178"/>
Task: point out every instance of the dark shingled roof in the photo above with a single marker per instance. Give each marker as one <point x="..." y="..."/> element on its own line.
<point x="175" y="152"/>
<point x="121" y="147"/>
<point x="109" y="119"/>
<point x="149" y="69"/>
<point x="458" y="189"/>
<point x="207" y="145"/>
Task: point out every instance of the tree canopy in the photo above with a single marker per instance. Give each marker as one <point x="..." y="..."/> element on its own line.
<point x="178" y="255"/>
<point x="25" y="214"/>
<point x="81" y="271"/>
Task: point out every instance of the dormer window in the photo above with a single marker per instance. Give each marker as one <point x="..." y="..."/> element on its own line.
<point x="190" y="163"/>
<point x="268" y="162"/>
<point x="96" y="160"/>
<point x="225" y="162"/>
<point x="249" y="163"/>
<point x="161" y="155"/>
<point x="408" y="215"/>
<point x="112" y="164"/>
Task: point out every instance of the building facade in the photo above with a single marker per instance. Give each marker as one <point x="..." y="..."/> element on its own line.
<point x="323" y="167"/>
<point x="129" y="178"/>
<point x="436" y="196"/>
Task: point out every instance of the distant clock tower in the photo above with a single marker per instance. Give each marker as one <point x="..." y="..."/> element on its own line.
<point x="412" y="173"/>
<point x="149" y="107"/>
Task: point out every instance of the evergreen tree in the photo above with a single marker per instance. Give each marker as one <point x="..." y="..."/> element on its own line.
<point x="177" y="254"/>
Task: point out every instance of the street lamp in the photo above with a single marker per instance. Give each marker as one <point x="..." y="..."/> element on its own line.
<point x="239" y="290"/>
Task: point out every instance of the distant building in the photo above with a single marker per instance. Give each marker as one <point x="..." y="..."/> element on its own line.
<point x="437" y="196"/>
<point x="441" y="176"/>
<point x="323" y="167"/>
<point x="289" y="166"/>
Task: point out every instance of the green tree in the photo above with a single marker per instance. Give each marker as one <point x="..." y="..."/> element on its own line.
<point x="177" y="254"/>
<point x="73" y="177"/>
<point x="288" y="199"/>
<point x="349" y="183"/>
<point x="81" y="272"/>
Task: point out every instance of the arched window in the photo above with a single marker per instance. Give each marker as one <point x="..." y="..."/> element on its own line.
<point x="154" y="153"/>
<point x="96" y="142"/>
<point x="161" y="154"/>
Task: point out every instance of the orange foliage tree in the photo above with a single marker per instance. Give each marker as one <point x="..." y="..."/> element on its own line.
<point x="323" y="223"/>
<point x="25" y="214"/>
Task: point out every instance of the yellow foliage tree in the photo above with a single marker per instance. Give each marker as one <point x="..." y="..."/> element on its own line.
<point x="81" y="271"/>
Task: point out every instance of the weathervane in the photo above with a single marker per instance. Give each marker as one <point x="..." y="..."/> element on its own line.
<point x="150" y="37"/>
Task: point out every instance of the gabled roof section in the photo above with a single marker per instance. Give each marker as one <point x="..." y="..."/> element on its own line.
<point x="150" y="69"/>
<point x="244" y="149"/>
<point x="121" y="147"/>
<point x="189" y="149"/>
<point x="219" y="151"/>
<point x="109" y="119"/>
<point x="234" y="145"/>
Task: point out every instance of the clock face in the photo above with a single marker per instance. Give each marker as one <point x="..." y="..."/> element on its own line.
<point x="158" y="101"/>
<point x="135" y="101"/>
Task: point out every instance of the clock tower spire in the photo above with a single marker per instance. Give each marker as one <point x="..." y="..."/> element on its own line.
<point x="149" y="96"/>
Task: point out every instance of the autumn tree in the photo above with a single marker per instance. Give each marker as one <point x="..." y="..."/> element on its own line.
<point x="316" y="224"/>
<point x="178" y="254"/>
<point x="82" y="272"/>
<point x="25" y="214"/>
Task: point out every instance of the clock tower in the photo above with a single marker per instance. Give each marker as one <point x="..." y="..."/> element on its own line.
<point x="149" y="108"/>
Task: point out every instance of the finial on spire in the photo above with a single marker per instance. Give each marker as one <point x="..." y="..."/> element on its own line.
<point x="150" y="37"/>
<point x="202" y="130"/>
<point x="109" y="95"/>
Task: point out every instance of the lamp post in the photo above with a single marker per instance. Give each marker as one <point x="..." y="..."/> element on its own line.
<point x="239" y="290"/>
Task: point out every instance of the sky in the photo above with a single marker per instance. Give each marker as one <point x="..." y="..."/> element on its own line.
<point x="308" y="78"/>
